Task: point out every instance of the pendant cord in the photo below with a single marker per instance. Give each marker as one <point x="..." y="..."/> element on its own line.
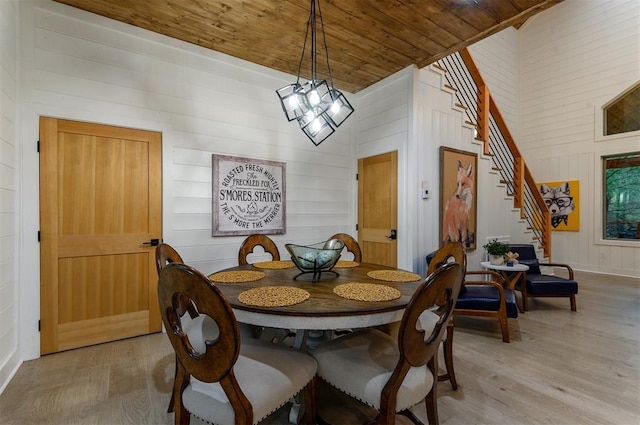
<point x="311" y="23"/>
<point x="313" y="41"/>
<point x="304" y="45"/>
<point x="326" y="48"/>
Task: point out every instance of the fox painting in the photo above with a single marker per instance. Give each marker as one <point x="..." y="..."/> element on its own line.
<point x="455" y="222"/>
<point x="559" y="201"/>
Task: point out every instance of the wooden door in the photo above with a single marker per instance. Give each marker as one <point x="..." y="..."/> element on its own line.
<point x="100" y="202"/>
<point x="378" y="208"/>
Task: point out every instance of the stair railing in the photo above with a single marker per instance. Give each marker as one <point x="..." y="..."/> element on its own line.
<point x="473" y="96"/>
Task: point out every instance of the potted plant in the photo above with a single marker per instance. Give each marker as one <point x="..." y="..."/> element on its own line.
<point x="496" y="251"/>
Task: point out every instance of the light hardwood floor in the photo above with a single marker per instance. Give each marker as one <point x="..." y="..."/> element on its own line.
<point x="560" y="368"/>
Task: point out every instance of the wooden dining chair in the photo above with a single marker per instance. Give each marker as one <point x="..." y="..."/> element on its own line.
<point x="216" y="380"/>
<point x="247" y="247"/>
<point x="257" y="240"/>
<point x="350" y="244"/>
<point x="166" y="254"/>
<point x="449" y="252"/>
<point x="394" y="374"/>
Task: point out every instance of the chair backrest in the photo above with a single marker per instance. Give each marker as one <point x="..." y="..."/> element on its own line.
<point x="179" y="283"/>
<point x="526" y="255"/>
<point x="351" y="244"/>
<point x="165" y="254"/>
<point x="425" y="321"/>
<point x="251" y="242"/>
<point x="449" y="252"/>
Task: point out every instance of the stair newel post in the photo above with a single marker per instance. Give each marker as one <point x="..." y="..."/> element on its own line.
<point x="484" y="113"/>
<point x="518" y="181"/>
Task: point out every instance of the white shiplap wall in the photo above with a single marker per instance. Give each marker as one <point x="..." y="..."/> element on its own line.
<point x="497" y="59"/>
<point x="89" y="68"/>
<point x="438" y="124"/>
<point x="574" y="58"/>
<point x="9" y="356"/>
<point x="383" y="125"/>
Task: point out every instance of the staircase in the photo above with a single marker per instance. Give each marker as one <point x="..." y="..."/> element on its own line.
<point x="473" y="97"/>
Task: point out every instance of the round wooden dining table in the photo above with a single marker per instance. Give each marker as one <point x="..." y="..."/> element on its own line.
<point x="323" y="310"/>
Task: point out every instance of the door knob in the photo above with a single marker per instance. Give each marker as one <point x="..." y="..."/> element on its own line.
<point x="152" y="242"/>
<point x="393" y="235"/>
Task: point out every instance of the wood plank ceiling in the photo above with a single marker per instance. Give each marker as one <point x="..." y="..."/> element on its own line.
<point x="368" y="40"/>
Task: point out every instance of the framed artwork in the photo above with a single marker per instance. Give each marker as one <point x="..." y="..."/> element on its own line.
<point x="562" y="200"/>
<point x="458" y="188"/>
<point x="249" y="196"/>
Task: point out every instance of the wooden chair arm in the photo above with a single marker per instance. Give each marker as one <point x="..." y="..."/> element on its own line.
<point x="496" y="276"/>
<point x="496" y="285"/>
<point x="497" y="282"/>
<point x="566" y="266"/>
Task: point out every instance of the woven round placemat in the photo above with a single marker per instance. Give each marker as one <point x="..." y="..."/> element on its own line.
<point x="274" y="265"/>
<point x="393" y="276"/>
<point x="237" y="276"/>
<point x="366" y="292"/>
<point x="273" y="296"/>
<point x="345" y="264"/>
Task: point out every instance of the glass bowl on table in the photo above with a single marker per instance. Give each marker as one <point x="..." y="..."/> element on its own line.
<point x="317" y="258"/>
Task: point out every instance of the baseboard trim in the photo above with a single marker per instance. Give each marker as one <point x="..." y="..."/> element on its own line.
<point x="9" y="368"/>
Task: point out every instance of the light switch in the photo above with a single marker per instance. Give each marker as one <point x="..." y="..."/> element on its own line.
<point x="424" y="189"/>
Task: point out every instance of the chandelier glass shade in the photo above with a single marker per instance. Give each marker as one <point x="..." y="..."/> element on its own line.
<point x="318" y="107"/>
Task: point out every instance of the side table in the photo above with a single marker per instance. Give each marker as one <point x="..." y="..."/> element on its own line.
<point x="511" y="274"/>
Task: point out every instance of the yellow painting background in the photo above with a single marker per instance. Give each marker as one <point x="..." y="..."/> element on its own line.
<point x="573" y="219"/>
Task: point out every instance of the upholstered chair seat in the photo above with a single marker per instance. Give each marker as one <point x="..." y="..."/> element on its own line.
<point x="259" y="372"/>
<point x="361" y="363"/>
<point x="550" y="285"/>
<point x="539" y="284"/>
<point x="483" y="297"/>
<point x="394" y="373"/>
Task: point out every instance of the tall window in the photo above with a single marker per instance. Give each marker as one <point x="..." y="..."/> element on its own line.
<point x="622" y="192"/>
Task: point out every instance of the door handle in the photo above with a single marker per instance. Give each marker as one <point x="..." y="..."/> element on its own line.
<point x="393" y="235"/>
<point x="152" y="242"/>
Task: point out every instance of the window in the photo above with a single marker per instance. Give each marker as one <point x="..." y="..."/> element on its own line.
<point x="622" y="196"/>
<point x="623" y="114"/>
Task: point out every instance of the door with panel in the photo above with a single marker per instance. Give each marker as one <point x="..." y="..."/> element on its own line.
<point x="100" y="217"/>
<point x="378" y="208"/>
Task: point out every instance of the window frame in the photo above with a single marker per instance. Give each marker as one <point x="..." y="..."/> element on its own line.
<point x="605" y="204"/>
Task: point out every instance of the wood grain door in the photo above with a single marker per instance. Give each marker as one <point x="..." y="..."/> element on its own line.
<point x="378" y="208"/>
<point x="100" y="202"/>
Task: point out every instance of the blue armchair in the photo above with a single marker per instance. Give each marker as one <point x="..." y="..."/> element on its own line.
<point x="487" y="298"/>
<point x="484" y="294"/>
<point x="543" y="285"/>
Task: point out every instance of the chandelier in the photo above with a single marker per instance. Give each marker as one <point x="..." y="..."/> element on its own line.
<point x="318" y="107"/>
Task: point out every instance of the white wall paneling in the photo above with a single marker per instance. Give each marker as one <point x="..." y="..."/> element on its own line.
<point x="385" y="124"/>
<point x="573" y="60"/>
<point x="89" y="68"/>
<point x="9" y="70"/>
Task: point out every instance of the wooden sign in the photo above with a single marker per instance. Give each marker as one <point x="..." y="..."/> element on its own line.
<point x="249" y="196"/>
